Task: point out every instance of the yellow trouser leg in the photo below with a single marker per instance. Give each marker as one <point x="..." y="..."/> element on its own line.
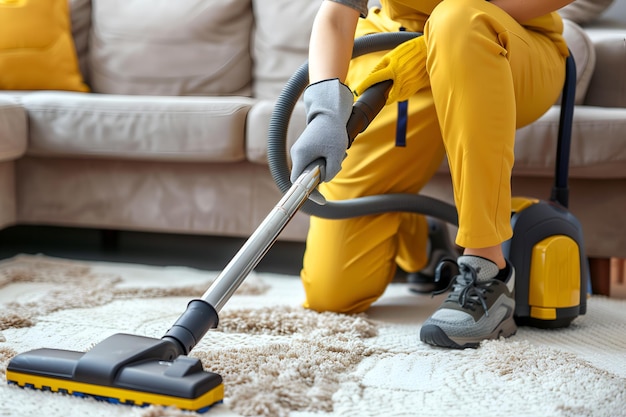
<point x="489" y="76"/>
<point x="349" y="263"/>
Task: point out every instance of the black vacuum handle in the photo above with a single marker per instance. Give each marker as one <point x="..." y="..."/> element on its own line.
<point x="365" y="109"/>
<point x="560" y="190"/>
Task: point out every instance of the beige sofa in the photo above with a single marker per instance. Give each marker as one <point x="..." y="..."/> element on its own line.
<point x="172" y="136"/>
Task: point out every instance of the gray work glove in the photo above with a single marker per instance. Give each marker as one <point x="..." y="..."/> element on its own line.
<point x="328" y="106"/>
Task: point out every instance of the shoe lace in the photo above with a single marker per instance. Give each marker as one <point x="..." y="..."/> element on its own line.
<point x="467" y="291"/>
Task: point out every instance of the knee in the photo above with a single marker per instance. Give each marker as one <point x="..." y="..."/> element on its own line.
<point x="454" y="21"/>
<point x="339" y="296"/>
<point x="449" y="17"/>
<point x="337" y="304"/>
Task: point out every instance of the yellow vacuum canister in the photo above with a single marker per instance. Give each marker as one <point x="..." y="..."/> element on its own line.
<point x="551" y="268"/>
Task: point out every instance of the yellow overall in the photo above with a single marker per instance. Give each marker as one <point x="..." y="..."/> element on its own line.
<point x="489" y="75"/>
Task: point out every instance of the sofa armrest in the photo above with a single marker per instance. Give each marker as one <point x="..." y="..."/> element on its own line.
<point x="13" y="128"/>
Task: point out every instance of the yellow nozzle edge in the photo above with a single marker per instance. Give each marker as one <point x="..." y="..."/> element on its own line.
<point x="124" y="396"/>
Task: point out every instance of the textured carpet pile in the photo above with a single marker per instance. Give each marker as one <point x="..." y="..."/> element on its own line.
<point x="278" y="359"/>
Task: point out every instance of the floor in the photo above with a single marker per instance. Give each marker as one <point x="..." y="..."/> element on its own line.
<point x="202" y="252"/>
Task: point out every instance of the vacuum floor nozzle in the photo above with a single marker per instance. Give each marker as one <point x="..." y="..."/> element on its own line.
<point x="124" y="369"/>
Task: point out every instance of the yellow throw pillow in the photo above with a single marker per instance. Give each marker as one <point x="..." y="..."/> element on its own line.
<point x="36" y="47"/>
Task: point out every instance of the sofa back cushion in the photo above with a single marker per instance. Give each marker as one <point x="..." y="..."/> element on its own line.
<point x="36" y="47"/>
<point x="584" y="54"/>
<point x="171" y="48"/>
<point x="80" y="15"/>
<point x="280" y="42"/>
<point x="584" y="11"/>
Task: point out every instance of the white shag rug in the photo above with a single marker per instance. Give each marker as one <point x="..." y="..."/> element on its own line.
<point x="278" y="359"/>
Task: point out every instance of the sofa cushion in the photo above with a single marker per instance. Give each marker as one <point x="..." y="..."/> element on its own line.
<point x="277" y="54"/>
<point x="164" y="47"/>
<point x="597" y="146"/>
<point x="36" y="47"/>
<point x="583" y="11"/>
<point x="13" y="128"/>
<point x="257" y="127"/>
<point x="137" y="127"/>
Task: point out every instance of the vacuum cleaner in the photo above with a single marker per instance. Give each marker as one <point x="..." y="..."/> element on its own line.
<point x="547" y="247"/>
<point x="129" y="369"/>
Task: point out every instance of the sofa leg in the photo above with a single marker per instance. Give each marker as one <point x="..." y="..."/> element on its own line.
<point x="600" y="272"/>
<point x="618" y="278"/>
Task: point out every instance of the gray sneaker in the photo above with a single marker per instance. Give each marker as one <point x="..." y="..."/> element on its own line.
<point x="479" y="307"/>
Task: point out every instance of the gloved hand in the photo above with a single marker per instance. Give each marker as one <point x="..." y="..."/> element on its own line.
<point x="405" y="65"/>
<point x="328" y="106"/>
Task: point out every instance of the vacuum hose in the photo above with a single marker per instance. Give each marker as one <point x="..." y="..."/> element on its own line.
<point x="364" y="111"/>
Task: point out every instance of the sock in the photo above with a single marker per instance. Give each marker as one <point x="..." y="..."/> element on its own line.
<point x="503" y="274"/>
<point x="485" y="269"/>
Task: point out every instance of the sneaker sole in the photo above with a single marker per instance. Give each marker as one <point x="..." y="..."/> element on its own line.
<point x="434" y="335"/>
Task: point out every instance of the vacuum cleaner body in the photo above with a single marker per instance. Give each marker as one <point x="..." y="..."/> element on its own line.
<point x="550" y="265"/>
